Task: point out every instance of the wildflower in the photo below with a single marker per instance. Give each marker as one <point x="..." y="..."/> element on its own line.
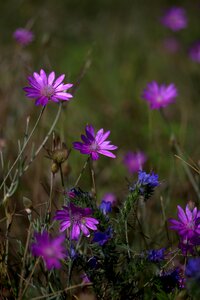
<point x="50" y="249"/>
<point x="44" y="88"/>
<point x="188" y="226"/>
<point x="102" y="237"/>
<point x="134" y="161"/>
<point x="175" y="18"/>
<point x="109" y="197"/>
<point x="145" y="179"/>
<point x="95" y="144"/>
<point x="85" y="279"/>
<point x="159" y="95"/>
<point x="23" y="36"/>
<point x="105" y="207"/>
<point x="78" y="219"/>
<point x="193" y="268"/>
<point x="194" y="52"/>
<point x="156" y="255"/>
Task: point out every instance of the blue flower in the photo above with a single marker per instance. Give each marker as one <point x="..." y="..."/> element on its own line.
<point x="193" y="268"/>
<point x="147" y="179"/>
<point x="102" y="237"/>
<point x="169" y="280"/>
<point x="105" y="207"/>
<point x="156" y="255"/>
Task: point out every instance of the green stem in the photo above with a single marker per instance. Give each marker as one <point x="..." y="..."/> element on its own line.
<point x="23" y="148"/>
<point x="82" y="171"/>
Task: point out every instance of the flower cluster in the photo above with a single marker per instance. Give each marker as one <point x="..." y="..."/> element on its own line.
<point x="156" y="255"/>
<point x="188" y="228"/>
<point x="95" y="144"/>
<point x="159" y="96"/>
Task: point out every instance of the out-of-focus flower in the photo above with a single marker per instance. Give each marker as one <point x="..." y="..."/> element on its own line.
<point x="134" y="161"/>
<point x="159" y="95"/>
<point x="50" y="249"/>
<point x="44" y="88"/>
<point x="170" y="280"/>
<point x="85" y="279"/>
<point x="156" y="255"/>
<point x="102" y="237"/>
<point x="193" y="268"/>
<point x="175" y="18"/>
<point x="109" y="197"/>
<point x="194" y="52"/>
<point x="171" y="44"/>
<point x="23" y="36"/>
<point x="79" y="219"/>
<point x="188" y="226"/>
<point x="105" y="207"/>
<point x="95" y="144"/>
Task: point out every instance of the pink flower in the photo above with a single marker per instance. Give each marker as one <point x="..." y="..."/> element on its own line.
<point x="159" y="95"/>
<point x="79" y="219"/>
<point x="95" y="144"/>
<point x="134" y="161"/>
<point x="45" y="88"/>
<point x="175" y="18"/>
<point x="23" y="36"/>
<point x="50" y="249"/>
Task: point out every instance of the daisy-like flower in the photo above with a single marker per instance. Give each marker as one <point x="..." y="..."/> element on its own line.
<point x="44" y="88"/>
<point x="175" y="18"/>
<point x="79" y="219"/>
<point x="159" y="95"/>
<point x="95" y="144"/>
<point x="134" y="161"/>
<point x="23" y="36"/>
<point x="50" y="249"/>
<point x="194" y="52"/>
<point x="188" y="226"/>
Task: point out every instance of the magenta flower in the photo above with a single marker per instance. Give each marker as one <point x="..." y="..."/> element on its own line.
<point x="175" y="18"/>
<point x="171" y="45"/>
<point x="95" y="144"/>
<point x="134" y="161"/>
<point x="50" y="249"/>
<point x="45" y="88"/>
<point x="194" y="52"/>
<point x="79" y="219"/>
<point x="159" y="95"/>
<point x="23" y="36"/>
<point x="188" y="226"/>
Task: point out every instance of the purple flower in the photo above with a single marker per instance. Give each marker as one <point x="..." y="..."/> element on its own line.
<point x="169" y="280"/>
<point x="23" y="36"/>
<point x="109" y="197"/>
<point x="159" y="95"/>
<point x="175" y="18"/>
<point x="45" y="88"/>
<point x="156" y="255"/>
<point x="194" y="52"/>
<point x="188" y="226"/>
<point x="105" y="207"/>
<point x="134" y="161"/>
<point x="78" y="219"/>
<point x="50" y="249"/>
<point x="95" y="144"/>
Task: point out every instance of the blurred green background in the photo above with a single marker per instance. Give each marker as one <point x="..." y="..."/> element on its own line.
<point x="124" y="41"/>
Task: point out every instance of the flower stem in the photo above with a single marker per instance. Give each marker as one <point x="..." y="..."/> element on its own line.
<point x="82" y="171"/>
<point x="24" y="147"/>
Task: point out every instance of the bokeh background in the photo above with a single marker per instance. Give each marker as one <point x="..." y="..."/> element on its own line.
<point x="124" y="43"/>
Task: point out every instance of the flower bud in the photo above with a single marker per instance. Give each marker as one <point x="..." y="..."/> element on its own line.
<point x="54" y="168"/>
